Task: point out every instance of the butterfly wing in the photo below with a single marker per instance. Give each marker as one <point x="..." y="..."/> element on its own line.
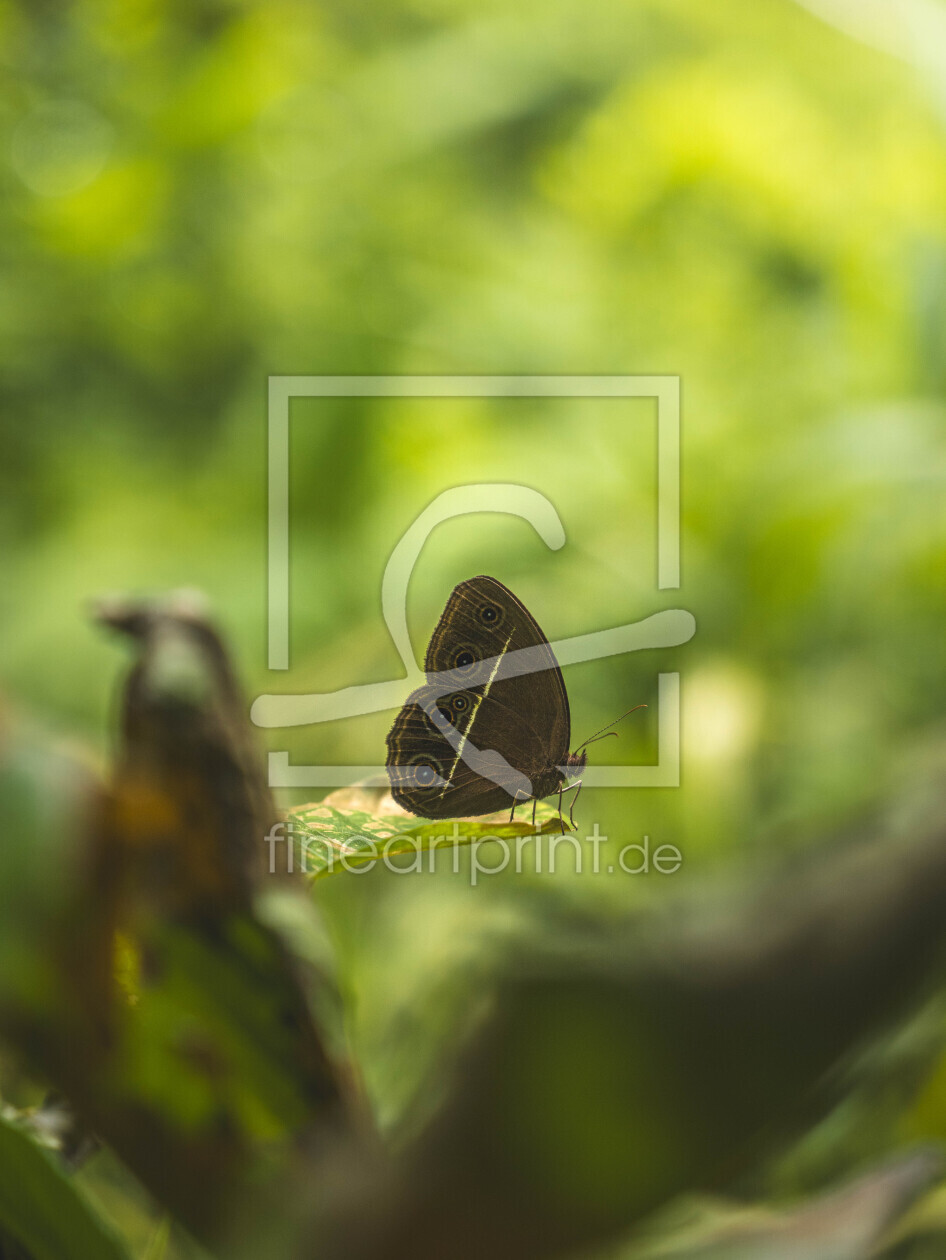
<point x="485" y="620"/>
<point x="493" y="721"/>
<point x="445" y="763"/>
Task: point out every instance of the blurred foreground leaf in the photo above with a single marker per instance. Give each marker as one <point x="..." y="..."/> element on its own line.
<point x="849" y="1223"/>
<point x="139" y="978"/>
<point x="622" y="1064"/>
<point x="219" y="1051"/>
<point x="42" y="1209"/>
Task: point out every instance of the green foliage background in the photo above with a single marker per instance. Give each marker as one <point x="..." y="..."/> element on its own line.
<point x="195" y="196"/>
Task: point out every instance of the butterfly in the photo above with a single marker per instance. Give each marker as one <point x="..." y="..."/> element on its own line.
<point x="491" y="728"/>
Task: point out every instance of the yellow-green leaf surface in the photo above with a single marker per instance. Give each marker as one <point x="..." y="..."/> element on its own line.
<point x="357" y="826"/>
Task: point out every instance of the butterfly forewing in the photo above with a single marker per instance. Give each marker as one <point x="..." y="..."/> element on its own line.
<point x="483" y="620"/>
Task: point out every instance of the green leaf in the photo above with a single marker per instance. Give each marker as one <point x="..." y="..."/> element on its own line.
<point x="352" y="829"/>
<point x="42" y="1208"/>
<point x="847" y="1223"/>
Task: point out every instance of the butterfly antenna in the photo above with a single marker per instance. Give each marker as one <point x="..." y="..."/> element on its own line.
<point x="595" y="738"/>
<point x="606" y="730"/>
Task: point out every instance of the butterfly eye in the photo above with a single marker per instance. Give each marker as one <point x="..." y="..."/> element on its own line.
<point x="490" y="615"/>
<point x="464" y="659"/>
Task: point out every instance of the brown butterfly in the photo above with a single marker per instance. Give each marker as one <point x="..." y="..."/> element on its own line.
<point x="491" y="728"/>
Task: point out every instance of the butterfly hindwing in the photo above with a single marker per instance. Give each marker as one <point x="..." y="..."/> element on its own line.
<point x="445" y="764"/>
<point x="426" y="776"/>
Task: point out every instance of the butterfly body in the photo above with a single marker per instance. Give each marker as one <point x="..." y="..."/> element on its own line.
<point x="490" y="729"/>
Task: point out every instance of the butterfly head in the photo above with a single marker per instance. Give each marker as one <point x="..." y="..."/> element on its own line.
<point x="575" y="762"/>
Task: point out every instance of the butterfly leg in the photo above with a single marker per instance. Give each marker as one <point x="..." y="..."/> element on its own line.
<point x="572" y="787"/>
<point x="535" y="801"/>
<point x="571" y="808"/>
<point x="561" y="789"/>
<point x="512" y="812"/>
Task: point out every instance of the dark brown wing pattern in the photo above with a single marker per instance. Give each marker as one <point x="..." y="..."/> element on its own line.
<point x="481" y="735"/>
<point x="484" y="618"/>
